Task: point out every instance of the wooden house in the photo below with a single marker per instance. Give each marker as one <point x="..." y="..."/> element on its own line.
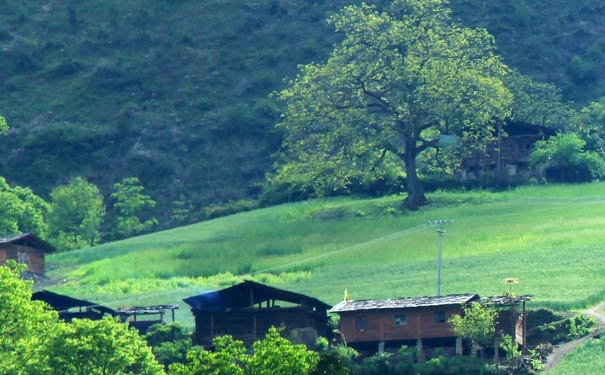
<point x="423" y="321"/>
<point x="420" y="321"/>
<point x="247" y="310"/>
<point x="506" y="160"/>
<point x="72" y="308"/>
<point x="27" y="249"/>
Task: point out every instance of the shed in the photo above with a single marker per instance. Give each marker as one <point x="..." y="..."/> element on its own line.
<point x="27" y="249"/>
<point x="71" y="308"/>
<point x="247" y="310"/>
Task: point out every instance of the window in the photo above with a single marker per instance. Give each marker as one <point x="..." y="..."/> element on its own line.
<point x="400" y="320"/>
<point x="439" y="316"/>
<point x="361" y="323"/>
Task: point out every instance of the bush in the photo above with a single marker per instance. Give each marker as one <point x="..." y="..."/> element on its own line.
<point x="564" y="159"/>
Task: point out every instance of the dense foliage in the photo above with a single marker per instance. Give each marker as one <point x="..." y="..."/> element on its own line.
<point x="175" y="92"/>
<point x="34" y="341"/>
<point x="564" y="159"/>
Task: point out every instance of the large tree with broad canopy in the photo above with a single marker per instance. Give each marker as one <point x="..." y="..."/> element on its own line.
<point x="400" y="78"/>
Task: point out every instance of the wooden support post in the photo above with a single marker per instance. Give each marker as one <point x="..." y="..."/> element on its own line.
<point x="381" y="347"/>
<point x="419" y="351"/>
<point x="254" y="326"/>
<point x="458" y="345"/>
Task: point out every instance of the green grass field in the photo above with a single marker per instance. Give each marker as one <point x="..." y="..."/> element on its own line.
<point x="588" y="359"/>
<point x="550" y="237"/>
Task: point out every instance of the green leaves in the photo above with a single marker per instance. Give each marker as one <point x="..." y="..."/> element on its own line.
<point x="274" y="355"/>
<point x="77" y="213"/>
<point x="565" y="157"/>
<point x="476" y="324"/>
<point x="129" y="202"/>
<point x="397" y="76"/>
<point x="22" y="211"/>
<point x="99" y="347"/>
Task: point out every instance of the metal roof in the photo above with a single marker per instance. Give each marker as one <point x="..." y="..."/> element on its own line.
<point x="246" y="294"/>
<point x="27" y="239"/>
<point x="63" y="303"/>
<point x="404" y="303"/>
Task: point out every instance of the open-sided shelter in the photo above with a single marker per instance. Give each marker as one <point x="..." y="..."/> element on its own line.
<point x="143" y="317"/>
<point x="27" y="249"/>
<point x="247" y="310"/>
<point x="71" y="308"/>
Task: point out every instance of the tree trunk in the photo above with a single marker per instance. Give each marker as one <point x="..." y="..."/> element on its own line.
<point x="416" y="197"/>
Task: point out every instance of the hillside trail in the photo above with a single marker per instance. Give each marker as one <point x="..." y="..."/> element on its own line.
<point x="560" y="351"/>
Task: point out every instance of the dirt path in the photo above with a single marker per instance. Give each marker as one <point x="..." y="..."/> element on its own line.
<point x="561" y="351"/>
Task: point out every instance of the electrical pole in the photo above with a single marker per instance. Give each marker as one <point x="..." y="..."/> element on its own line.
<point x="440" y="232"/>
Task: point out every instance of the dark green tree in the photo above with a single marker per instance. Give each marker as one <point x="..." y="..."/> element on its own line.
<point x="76" y="215"/>
<point x="129" y="205"/>
<point x="398" y="80"/>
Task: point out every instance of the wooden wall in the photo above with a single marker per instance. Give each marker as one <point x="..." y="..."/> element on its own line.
<point x="251" y="324"/>
<point x="420" y="323"/>
<point x="30" y="256"/>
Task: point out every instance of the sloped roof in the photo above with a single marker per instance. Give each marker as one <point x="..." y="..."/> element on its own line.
<point x="60" y="303"/>
<point x="404" y="303"/>
<point x="27" y="239"/>
<point x="246" y="294"/>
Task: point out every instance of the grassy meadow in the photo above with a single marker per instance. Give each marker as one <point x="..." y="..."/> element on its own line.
<point x="587" y="359"/>
<point x="550" y="237"/>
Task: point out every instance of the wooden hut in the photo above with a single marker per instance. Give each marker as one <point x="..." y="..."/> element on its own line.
<point x="507" y="158"/>
<point x="71" y="308"/>
<point x="374" y="324"/>
<point x="247" y="310"/>
<point x="27" y="249"/>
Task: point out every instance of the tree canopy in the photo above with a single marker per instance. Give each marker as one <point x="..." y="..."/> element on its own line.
<point x="21" y="210"/>
<point x="397" y="81"/>
<point x="129" y="204"/>
<point x="77" y="213"/>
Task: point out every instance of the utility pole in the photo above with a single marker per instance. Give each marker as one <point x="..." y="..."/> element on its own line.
<point x="440" y="231"/>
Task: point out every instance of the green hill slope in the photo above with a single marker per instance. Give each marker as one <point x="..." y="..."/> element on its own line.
<point x="550" y="237"/>
<point x="175" y="92"/>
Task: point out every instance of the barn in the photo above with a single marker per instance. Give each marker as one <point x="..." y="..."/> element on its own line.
<point x="27" y="249"/>
<point x="247" y="310"/>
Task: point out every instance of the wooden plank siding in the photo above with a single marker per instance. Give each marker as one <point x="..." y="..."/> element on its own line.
<point x="247" y="310"/>
<point x="419" y="324"/>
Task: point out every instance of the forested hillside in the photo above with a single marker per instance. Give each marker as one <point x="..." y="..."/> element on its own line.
<point x="176" y="91"/>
